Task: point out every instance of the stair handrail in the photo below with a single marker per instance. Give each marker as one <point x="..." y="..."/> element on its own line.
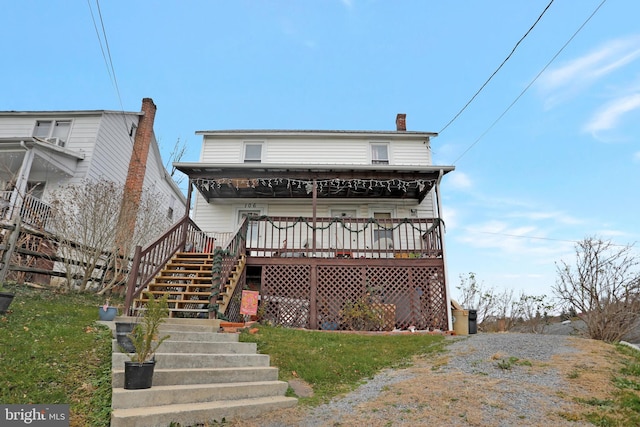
<point x="224" y="263"/>
<point x="148" y="262"/>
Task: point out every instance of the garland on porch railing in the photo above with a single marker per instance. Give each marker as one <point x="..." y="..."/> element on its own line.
<point x="370" y="221"/>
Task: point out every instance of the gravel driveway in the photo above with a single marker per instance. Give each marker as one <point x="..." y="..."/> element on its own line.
<point x="485" y="379"/>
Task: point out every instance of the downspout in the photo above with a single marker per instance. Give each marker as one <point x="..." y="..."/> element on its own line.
<point x="444" y="251"/>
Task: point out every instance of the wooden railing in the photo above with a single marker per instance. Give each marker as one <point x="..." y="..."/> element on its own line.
<point x="148" y="262"/>
<point x="344" y="237"/>
<point x="33" y="211"/>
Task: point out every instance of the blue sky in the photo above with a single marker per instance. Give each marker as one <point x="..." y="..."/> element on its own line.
<point x="562" y="163"/>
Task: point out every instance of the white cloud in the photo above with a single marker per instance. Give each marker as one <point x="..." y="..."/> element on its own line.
<point x="611" y="114"/>
<point x="636" y="156"/>
<point x="570" y="79"/>
<point x="459" y="181"/>
<point x="347" y="3"/>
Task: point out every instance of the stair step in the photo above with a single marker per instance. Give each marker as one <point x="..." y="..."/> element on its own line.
<point x="202" y="375"/>
<point x="198" y="413"/>
<point x="195" y="393"/>
<point x="198" y="360"/>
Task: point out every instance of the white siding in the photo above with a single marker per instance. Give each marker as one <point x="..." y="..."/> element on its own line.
<point x="113" y="148"/>
<point x="12" y="126"/>
<point x="315" y="151"/>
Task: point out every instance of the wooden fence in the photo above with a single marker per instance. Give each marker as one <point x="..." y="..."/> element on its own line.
<point x="29" y="255"/>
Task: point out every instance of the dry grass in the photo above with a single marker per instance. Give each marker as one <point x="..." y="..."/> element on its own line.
<point x="437" y="397"/>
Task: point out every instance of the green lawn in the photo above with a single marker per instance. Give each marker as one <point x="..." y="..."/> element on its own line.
<point x="53" y="352"/>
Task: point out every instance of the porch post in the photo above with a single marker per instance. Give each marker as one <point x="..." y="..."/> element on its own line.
<point x="314" y="207"/>
<point x="444" y="252"/>
<point x="19" y="192"/>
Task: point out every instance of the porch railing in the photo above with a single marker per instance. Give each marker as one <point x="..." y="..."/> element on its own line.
<point x="344" y="237"/>
<point x="33" y="211"/>
<point x="148" y="262"/>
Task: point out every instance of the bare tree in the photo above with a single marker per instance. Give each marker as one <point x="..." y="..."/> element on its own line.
<point x="177" y="153"/>
<point x="474" y="295"/>
<point x="88" y="218"/>
<point x="533" y="311"/>
<point x="603" y="288"/>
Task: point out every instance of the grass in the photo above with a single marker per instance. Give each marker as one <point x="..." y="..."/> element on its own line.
<point x="53" y="353"/>
<point x="335" y="363"/>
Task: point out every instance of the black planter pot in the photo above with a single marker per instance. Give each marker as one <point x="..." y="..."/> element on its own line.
<point x="138" y="375"/>
<point x="5" y="301"/>
<point x="122" y="336"/>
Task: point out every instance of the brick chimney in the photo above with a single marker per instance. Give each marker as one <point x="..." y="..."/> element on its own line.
<point x="401" y="122"/>
<point x="135" y="175"/>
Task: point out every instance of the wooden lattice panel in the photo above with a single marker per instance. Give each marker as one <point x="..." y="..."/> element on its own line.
<point x="285" y="294"/>
<point x="399" y="296"/>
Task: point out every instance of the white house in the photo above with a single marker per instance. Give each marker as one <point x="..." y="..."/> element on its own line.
<point x="326" y="218"/>
<point x="43" y="150"/>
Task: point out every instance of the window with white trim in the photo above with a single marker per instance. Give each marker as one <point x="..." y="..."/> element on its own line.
<point x="253" y="152"/>
<point x="54" y="131"/>
<point x="379" y="153"/>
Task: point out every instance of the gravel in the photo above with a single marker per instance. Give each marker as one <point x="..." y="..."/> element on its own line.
<point x="519" y="394"/>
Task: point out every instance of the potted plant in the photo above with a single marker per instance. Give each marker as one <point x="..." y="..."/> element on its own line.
<point x="5" y="299"/>
<point x="138" y="372"/>
<point x="107" y="312"/>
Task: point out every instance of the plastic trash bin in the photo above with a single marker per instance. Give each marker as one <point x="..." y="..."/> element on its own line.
<point x="460" y="321"/>
<point x="473" y="321"/>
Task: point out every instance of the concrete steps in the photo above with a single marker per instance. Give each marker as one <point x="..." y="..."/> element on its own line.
<point x="200" y="377"/>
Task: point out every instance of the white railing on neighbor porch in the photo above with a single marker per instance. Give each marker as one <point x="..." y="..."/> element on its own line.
<point x="33" y="211"/>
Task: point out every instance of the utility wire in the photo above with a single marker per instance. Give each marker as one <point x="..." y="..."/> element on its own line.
<point x="532" y="81"/>
<point x="497" y="69"/>
<point x="520" y="236"/>
<point x="110" y="68"/>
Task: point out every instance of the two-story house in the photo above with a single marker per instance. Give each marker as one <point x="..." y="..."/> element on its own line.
<point x="41" y="151"/>
<point x="321" y="221"/>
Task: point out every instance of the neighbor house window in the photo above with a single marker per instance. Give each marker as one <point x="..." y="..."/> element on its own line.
<point x="379" y="154"/>
<point x="253" y="152"/>
<point x="54" y="131"/>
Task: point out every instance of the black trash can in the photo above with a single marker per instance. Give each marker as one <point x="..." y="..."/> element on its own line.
<point x="473" y="321"/>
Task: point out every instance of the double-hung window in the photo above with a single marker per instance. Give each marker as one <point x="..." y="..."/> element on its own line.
<point x="253" y="152"/>
<point x="379" y="153"/>
<point x="54" y="131"/>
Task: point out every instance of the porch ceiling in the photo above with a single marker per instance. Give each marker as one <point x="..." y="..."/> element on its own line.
<point x="255" y="180"/>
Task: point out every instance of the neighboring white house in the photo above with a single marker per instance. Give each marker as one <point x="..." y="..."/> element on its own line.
<point x="41" y="151"/>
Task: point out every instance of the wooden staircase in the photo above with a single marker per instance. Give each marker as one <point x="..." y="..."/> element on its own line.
<point x="187" y="280"/>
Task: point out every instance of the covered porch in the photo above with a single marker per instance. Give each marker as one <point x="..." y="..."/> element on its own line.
<point x="321" y="272"/>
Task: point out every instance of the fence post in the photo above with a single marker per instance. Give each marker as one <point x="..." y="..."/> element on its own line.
<point x="133" y="279"/>
<point x="6" y="257"/>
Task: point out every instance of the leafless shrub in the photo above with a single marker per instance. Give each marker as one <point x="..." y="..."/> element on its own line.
<point x="603" y="287"/>
<point x="89" y="219"/>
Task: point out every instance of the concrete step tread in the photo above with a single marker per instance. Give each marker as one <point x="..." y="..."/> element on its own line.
<point x="232" y="369"/>
<point x="186" y="387"/>
<point x="188" y="407"/>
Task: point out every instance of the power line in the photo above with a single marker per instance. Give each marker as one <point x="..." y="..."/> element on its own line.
<point x="497" y="69"/>
<point x="532" y="81"/>
<point x="520" y="236"/>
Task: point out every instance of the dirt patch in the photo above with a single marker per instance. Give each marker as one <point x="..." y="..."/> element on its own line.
<point x="434" y="395"/>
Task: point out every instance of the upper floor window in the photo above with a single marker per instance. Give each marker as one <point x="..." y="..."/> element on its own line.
<point x="379" y="154"/>
<point x="54" y="131"/>
<point x="253" y="152"/>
